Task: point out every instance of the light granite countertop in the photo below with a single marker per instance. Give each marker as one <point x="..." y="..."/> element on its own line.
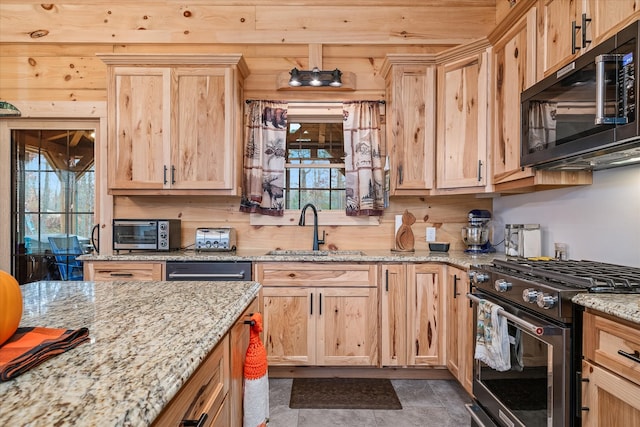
<point x="146" y="339"/>
<point x="456" y="258"/>
<point x="624" y="306"/>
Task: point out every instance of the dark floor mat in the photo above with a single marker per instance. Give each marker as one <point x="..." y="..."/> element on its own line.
<point x="343" y="393"/>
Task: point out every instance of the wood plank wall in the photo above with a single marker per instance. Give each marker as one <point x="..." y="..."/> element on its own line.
<point x="48" y="53"/>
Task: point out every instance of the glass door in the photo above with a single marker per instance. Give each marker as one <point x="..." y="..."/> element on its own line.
<point x="53" y="188"/>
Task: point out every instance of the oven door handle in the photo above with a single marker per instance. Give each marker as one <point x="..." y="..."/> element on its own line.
<point x="537" y="330"/>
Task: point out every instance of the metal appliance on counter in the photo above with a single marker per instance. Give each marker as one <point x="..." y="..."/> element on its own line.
<point x="216" y="239"/>
<point x="522" y="240"/>
<point x="545" y="331"/>
<point x="146" y="234"/>
<point x="477" y="234"/>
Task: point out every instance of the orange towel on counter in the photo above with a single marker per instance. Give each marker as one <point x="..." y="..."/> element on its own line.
<point x="29" y="347"/>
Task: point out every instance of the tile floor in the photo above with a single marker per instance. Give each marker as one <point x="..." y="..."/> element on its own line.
<point x="425" y="403"/>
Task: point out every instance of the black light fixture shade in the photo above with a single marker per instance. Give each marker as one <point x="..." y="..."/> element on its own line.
<point x="315" y="77"/>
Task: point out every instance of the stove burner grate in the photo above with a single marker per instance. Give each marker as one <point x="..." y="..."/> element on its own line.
<point x="592" y="276"/>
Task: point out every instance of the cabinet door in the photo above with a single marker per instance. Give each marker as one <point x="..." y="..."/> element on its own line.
<point x="611" y="400"/>
<point x="424" y="310"/>
<point x="289" y="325"/>
<point x="462" y="111"/>
<point x="460" y="328"/>
<point x="139" y="132"/>
<point x="606" y="19"/>
<point x="411" y="95"/>
<point x="347" y="328"/>
<point x="202" y="148"/>
<point x="513" y="71"/>
<point x="556" y="36"/>
<point x="393" y="299"/>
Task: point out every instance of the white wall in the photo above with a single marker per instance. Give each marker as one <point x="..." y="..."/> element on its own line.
<point x="600" y="222"/>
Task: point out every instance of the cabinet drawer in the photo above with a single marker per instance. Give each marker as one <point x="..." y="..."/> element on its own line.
<point x="203" y="393"/>
<point x="606" y="341"/>
<point x="314" y="274"/>
<point x="108" y="271"/>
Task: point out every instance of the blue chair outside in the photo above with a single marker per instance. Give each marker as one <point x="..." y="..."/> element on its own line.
<point x="65" y="250"/>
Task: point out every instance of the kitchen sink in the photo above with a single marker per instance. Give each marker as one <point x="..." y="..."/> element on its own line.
<point x="301" y="252"/>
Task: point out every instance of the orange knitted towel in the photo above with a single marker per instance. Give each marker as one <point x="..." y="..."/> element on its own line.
<point x="255" y="364"/>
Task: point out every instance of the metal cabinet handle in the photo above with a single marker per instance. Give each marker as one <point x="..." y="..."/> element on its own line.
<point x="320" y="302"/>
<point x="584" y="30"/>
<point x="455" y="286"/>
<point x="311" y="311"/>
<point x="121" y="274"/>
<point x="194" y="423"/>
<point x="635" y="356"/>
<point x="574" y="28"/>
<point x="386" y="279"/>
<point x="165" y="174"/>
<point x="400" y="175"/>
<point x="173" y="174"/>
<point x="479" y="170"/>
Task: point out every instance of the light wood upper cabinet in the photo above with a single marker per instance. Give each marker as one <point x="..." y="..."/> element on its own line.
<point x="174" y="123"/>
<point x="513" y="70"/>
<point x="514" y="62"/>
<point x="460" y="329"/>
<point x="320" y="314"/>
<point x="412" y="315"/>
<point x="566" y="28"/>
<point x="411" y="122"/>
<point x="462" y="118"/>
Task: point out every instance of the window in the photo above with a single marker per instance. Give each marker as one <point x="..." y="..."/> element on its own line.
<point x="315" y="166"/>
<point x="53" y="195"/>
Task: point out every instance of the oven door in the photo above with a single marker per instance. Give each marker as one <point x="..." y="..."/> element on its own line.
<point x="535" y="391"/>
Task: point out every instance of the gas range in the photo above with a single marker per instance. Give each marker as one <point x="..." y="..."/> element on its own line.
<point x="546" y="287"/>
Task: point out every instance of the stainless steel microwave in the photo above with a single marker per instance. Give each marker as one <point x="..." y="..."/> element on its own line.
<point x="146" y="234"/>
<point x="585" y="116"/>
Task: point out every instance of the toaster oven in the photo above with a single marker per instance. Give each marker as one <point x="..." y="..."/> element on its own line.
<point x="146" y="234"/>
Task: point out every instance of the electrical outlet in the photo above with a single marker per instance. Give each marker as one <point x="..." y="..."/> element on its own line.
<point x="431" y="234"/>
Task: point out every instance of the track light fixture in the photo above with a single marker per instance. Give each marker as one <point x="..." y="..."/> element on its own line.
<point x="315" y="78"/>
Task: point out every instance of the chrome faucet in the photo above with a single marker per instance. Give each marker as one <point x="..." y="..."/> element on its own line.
<point x="316" y="242"/>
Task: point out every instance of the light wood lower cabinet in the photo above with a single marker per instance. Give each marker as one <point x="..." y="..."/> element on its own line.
<point x="204" y="394"/>
<point x="412" y="304"/>
<point x="216" y="388"/>
<point x="610" y="372"/>
<point x="101" y="271"/>
<point x="320" y="314"/>
<point x="460" y="328"/>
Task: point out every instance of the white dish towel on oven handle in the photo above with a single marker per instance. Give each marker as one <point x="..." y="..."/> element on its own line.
<point x="492" y="337"/>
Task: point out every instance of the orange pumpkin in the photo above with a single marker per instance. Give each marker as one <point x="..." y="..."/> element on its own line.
<point x="10" y="306"/>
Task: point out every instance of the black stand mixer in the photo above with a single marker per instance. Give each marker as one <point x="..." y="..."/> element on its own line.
<point x="476" y="234"/>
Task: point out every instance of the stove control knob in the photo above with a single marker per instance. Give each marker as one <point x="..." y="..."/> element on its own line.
<point x="530" y="295"/>
<point x="502" y="285"/>
<point x="478" y="277"/>
<point x="546" y="301"/>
